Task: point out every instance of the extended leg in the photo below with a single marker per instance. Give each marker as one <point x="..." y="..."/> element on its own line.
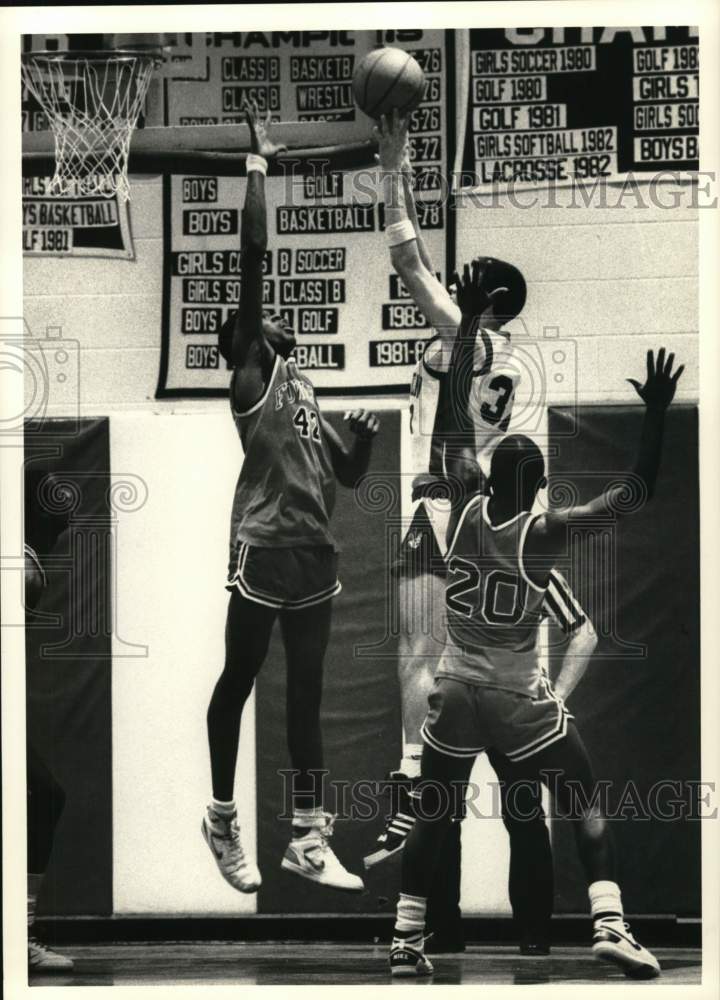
<point x="566" y="768"/>
<point x="530" y="882"/>
<point x="421" y="616"/>
<point x="247" y="634"/>
<point x="442" y="790"/>
<point x="305" y="635"/>
<point x="421" y="640"/>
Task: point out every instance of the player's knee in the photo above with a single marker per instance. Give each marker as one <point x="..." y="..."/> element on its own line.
<point x="236" y="684"/>
<point x="594" y="826"/>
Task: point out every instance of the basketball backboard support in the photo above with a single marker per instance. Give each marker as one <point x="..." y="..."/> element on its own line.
<point x="157" y="147"/>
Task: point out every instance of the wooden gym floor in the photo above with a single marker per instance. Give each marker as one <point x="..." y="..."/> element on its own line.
<point x="273" y="963"/>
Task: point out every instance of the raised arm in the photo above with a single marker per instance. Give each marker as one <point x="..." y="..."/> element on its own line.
<point x="241" y="339"/>
<point x="426" y="291"/>
<point x="407" y="180"/>
<point x="349" y="464"/>
<point x="548" y="534"/>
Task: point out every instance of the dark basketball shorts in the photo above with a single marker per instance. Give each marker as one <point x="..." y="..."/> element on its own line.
<point x="465" y="719"/>
<point x="289" y="579"/>
<point x="420" y="552"/>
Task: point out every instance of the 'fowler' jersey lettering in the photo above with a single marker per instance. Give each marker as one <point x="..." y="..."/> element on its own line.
<point x="293" y="390"/>
<point x="285" y="492"/>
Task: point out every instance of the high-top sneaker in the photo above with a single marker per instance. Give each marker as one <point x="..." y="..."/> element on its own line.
<point x="311" y="856"/>
<point x="407" y="957"/>
<point x="399" y="823"/>
<point x="222" y="835"/>
<point x="613" y="942"/>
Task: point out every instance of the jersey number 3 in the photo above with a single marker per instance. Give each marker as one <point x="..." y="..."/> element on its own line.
<point x="502" y="594"/>
<point x="307" y="423"/>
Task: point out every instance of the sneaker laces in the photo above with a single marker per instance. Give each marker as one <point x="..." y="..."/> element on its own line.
<point x="328" y="830"/>
<point x="320" y="835"/>
<point x="609" y="921"/>
<point x="236" y="854"/>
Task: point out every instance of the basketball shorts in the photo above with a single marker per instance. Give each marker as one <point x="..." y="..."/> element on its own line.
<point x="289" y="579"/>
<point x="420" y="552"/>
<point x="465" y="719"/>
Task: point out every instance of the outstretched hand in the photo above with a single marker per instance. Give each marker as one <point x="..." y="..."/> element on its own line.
<point x="392" y="136"/>
<point x="362" y="423"/>
<point x="660" y="383"/>
<point x="260" y="142"/>
<point x="472" y="296"/>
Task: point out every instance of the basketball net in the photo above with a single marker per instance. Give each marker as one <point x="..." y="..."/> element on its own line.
<point x="92" y="101"/>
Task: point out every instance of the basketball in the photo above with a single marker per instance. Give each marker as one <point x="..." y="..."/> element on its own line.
<point x="386" y="79"/>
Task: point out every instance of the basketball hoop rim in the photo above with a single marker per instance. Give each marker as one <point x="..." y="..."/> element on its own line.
<point x="151" y="52"/>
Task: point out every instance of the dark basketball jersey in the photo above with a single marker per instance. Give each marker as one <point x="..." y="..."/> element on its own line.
<point x="285" y="492"/>
<point x="493" y="608"/>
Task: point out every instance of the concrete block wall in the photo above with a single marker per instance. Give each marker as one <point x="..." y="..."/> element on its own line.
<point x="614" y="280"/>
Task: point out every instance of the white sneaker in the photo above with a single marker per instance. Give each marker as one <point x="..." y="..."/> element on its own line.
<point x="613" y="942"/>
<point x="222" y="835"/>
<point x="312" y="857"/>
<point x="42" y="959"/>
<point x="408" y="959"/>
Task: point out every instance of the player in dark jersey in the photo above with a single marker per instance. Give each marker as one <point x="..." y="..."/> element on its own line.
<point x="490" y="693"/>
<point x="461" y="399"/>
<point x="283" y="556"/>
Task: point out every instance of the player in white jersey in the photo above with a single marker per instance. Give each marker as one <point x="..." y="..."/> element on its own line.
<point x="475" y="410"/>
<point x="490" y="692"/>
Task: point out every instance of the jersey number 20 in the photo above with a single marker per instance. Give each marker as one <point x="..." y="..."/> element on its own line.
<point x="501" y="594"/>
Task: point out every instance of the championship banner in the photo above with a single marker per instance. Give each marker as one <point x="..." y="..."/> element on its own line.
<point x="62" y="225"/>
<point x="328" y="267"/>
<point x="553" y="105"/>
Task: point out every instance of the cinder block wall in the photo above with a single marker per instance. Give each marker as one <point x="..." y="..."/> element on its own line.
<point x="614" y="280"/>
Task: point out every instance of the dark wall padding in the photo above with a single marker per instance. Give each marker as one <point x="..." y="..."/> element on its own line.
<point x="69" y="663"/>
<point x="361" y="705"/>
<point x="640" y="715"/>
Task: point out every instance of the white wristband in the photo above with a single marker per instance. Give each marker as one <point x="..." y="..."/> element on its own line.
<point x="400" y="232"/>
<point x="255" y="162"/>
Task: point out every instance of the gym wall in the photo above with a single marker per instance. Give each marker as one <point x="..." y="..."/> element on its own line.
<point x="611" y="280"/>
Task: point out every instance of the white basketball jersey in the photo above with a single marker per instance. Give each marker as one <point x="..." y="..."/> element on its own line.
<point x="495" y="377"/>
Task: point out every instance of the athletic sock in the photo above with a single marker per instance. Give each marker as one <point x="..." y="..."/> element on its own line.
<point x="306" y="819"/>
<point x="605" y="901"/>
<point x="410" y="763"/>
<point x="223" y="808"/>
<point x="410" y="920"/>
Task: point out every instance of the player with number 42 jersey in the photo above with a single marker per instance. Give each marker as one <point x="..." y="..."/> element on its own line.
<point x="283" y="557"/>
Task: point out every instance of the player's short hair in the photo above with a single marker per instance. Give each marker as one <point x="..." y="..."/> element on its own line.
<point x="517" y="466"/>
<point x="500" y="274"/>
